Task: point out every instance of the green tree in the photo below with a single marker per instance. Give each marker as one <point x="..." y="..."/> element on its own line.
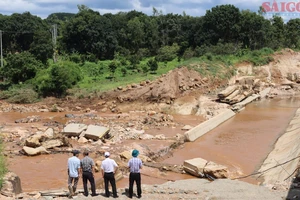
<point x="20" y="67"/>
<point x="293" y="33"/>
<point x="112" y="67"/>
<point x="167" y="53"/>
<point x="62" y="76"/>
<point x="221" y="23"/>
<point x="254" y="30"/>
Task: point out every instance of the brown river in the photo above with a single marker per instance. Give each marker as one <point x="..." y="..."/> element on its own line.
<point x="241" y="143"/>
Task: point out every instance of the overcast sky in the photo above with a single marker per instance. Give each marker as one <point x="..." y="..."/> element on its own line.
<point x="43" y="8"/>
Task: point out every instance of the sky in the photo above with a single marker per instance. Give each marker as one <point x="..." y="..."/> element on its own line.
<point x="43" y="8"/>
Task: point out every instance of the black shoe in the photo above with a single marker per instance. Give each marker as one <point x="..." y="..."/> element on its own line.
<point x="140" y="196"/>
<point x="94" y="195"/>
<point x="130" y="197"/>
<point x="116" y="196"/>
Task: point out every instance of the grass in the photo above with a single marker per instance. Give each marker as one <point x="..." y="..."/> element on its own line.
<point x="98" y="77"/>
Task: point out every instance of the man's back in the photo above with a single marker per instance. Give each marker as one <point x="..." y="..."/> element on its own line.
<point x="86" y="164"/>
<point x="108" y="165"/>
<point x="73" y="165"/>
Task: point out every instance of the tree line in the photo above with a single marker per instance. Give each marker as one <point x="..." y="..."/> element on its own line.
<point x="133" y="36"/>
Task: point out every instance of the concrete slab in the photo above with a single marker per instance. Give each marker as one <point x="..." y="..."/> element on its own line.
<point x="286" y="150"/>
<point x="200" y="167"/>
<point x="208" y="125"/>
<point x="95" y="132"/>
<point x="74" y="129"/>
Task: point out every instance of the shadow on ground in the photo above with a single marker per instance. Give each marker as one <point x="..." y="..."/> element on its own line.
<point x="294" y="191"/>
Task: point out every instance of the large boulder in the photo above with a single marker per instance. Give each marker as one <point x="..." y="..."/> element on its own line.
<point x="34" y="141"/>
<point x="201" y="168"/>
<point x="34" y="151"/>
<point x="49" y="144"/>
<point x="37" y="139"/>
<point x="11" y="185"/>
<point x="74" y="129"/>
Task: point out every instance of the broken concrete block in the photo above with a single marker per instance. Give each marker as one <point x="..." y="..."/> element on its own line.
<point x="95" y="132"/>
<point x="82" y="140"/>
<point x="200" y="167"/>
<point x="74" y="129"/>
<point x="49" y="133"/>
<point x="34" y="151"/>
<point x="52" y="143"/>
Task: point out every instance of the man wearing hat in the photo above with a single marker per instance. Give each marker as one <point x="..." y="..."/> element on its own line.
<point x="109" y="168"/>
<point x="73" y="172"/>
<point x="135" y="164"/>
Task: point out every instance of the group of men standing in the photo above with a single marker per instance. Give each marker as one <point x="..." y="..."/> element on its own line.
<point x="86" y="167"/>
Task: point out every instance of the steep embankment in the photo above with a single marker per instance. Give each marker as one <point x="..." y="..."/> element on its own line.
<point x="287" y="149"/>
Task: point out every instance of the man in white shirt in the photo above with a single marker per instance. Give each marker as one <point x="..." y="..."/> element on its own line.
<point x="109" y="168"/>
<point x="73" y="172"/>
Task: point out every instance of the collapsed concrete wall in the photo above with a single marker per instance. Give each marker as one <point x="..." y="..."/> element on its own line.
<point x="286" y="148"/>
<point x="208" y="125"/>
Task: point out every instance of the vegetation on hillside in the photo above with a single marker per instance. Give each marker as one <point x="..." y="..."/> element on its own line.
<point x="95" y="53"/>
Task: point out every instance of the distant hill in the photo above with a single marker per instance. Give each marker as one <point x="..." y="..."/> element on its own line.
<point x="61" y="16"/>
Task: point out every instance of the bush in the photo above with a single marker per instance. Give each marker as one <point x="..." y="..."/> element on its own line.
<point x="188" y="53"/>
<point x="62" y="76"/>
<point x="22" y="95"/>
<point x="152" y="64"/>
<point x="20" y="67"/>
<point x="167" y="53"/>
<point x="75" y="57"/>
<point x="92" y="69"/>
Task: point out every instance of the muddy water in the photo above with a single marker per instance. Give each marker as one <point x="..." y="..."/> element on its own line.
<point x="242" y="142"/>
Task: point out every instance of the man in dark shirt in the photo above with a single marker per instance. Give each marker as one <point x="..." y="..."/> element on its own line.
<point x="135" y="164"/>
<point x="88" y="171"/>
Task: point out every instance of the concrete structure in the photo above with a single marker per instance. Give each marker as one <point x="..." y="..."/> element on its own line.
<point x="200" y="168"/>
<point x="95" y="132"/>
<point x="208" y="125"/>
<point x="74" y="129"/>
<point x="286" y="148"/>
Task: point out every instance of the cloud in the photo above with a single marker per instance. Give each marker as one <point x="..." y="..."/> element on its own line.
<point x="43" y="8"/>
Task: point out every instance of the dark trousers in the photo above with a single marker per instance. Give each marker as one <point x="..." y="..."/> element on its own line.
<point x="137" y="178"/>
<point x="88" y="176"/>
<point x="110" y="177"/>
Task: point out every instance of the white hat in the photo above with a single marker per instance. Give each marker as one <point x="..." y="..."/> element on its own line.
<point x="107" y="154"/>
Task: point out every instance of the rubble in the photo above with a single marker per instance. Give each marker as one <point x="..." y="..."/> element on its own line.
<point x="11" y="185"/>
<point x="201" y="168"/>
